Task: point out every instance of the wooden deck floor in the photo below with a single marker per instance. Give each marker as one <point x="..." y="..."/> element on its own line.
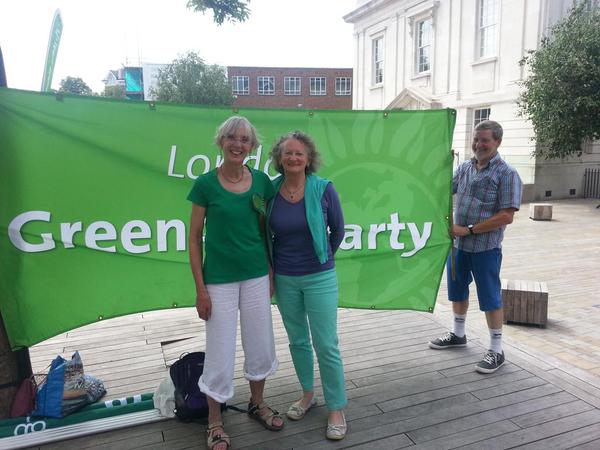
<point x="401" y="393"/>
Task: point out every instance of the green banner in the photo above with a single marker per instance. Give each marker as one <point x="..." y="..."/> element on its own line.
<point x="52" y="51"/>
<point x="22" y="426"/>
<point x="94" y="216"/>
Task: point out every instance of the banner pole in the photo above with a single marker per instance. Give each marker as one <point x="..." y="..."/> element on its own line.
<point x="452" y="254"/>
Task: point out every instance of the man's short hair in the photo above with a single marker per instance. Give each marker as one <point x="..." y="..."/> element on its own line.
<point x="496" y="128"/>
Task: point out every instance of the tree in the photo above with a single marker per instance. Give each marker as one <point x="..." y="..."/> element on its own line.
<point x="189" y="79"/>
<point x="75" y="86"/>
<point x="561" y="96"/>
<point x="230" y="10"/>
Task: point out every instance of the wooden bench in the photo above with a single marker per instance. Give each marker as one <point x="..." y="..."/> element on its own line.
<point x="525" y="302"/>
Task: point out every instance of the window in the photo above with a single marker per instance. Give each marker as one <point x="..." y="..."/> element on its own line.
<point x="378" y="60"/>
<point x="423" y="53"/>
<point x="318" y="86"/>
<point x="266" y="85"/>
<point x="291" y="86"/>
<point x="479" y="115"/>
<point x="343" y="86"/>
<point x="488" y="19"/>
<point x="240" y="85"/>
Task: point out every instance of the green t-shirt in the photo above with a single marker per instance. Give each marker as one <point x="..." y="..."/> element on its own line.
<point x="234" y="248"/>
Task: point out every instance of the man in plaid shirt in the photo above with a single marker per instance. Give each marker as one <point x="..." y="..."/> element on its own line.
<point x="488" y="192"/>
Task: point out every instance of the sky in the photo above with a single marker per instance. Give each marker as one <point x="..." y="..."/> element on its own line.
<point x="102" y="35"/>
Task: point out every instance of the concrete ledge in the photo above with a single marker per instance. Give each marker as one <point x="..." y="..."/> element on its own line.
<point x="540" y="211"/>
<point x="525" y="302"/>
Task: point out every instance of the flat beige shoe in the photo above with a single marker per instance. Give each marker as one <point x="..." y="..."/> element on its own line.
<point x="297" y="411"/>
<point x="337" y="432"/>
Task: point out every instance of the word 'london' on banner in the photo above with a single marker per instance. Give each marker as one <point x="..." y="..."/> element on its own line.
<point x="93" y="215"/>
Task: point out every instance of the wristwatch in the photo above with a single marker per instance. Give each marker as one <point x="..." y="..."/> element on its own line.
<point x="470" y="227"/>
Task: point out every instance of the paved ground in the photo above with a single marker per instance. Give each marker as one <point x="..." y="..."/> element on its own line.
<point x="401" y="395"/>
<point x="564" y="253"/>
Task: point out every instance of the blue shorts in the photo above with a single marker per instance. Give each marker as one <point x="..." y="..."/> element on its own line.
<point x="484" y="267"/>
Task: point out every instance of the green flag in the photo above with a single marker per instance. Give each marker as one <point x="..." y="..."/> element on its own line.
<point x="53" y="43"/>
<point x="94" y="216"/>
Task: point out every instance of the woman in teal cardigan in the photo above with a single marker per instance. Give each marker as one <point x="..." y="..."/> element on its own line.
<point x="306" y="224"/>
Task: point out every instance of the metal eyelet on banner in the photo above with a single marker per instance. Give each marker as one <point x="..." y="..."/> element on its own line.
<point x="152" y="106"/>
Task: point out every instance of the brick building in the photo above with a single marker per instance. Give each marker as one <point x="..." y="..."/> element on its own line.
<point x="285" y="87"/>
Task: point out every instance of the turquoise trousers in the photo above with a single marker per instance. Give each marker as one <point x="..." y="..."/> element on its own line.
<point x="308" y="307"/>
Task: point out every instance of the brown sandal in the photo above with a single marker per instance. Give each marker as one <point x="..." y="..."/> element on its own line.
<point x="215" y="437"/>
<point x="266" y="417"/>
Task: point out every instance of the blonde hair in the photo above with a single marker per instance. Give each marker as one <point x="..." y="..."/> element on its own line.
<point x="314" y="157"/>
<point x="231" y="125"/>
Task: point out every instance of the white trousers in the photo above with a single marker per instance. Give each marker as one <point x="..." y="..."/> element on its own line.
<point x="251" y="298"/>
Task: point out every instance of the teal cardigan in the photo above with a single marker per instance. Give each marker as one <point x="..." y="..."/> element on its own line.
<point x="313" y="192"/>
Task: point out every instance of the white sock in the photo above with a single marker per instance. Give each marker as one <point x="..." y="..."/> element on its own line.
<point x="459" y="324"/>
<point x="496" y="340"/>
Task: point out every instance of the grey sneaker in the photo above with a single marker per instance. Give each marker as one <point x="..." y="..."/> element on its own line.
<point x="448" y="340"/>
<point x="491" y="362"/>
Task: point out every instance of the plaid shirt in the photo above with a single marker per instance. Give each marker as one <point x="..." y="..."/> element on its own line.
<point x="480" y="195"/>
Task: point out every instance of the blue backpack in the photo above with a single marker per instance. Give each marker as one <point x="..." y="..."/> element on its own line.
<point x="190" y="402"/>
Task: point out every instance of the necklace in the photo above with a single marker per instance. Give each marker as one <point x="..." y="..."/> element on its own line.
<point x="229" y="179"/>
<point x="292" y="194"/>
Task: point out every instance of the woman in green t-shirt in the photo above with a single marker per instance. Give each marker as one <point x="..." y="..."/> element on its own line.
<point x="234" y="276"/>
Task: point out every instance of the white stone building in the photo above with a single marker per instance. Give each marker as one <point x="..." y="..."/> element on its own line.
<point x="463" y="54"/>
